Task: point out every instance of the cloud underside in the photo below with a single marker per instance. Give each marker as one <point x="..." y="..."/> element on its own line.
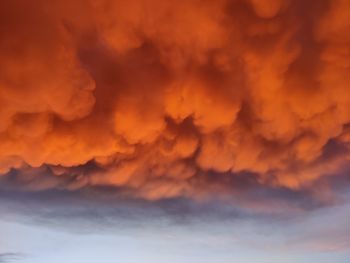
<point x="243" y="101"/>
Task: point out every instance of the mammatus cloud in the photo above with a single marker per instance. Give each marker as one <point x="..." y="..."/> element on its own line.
<point x="171" y="99"/>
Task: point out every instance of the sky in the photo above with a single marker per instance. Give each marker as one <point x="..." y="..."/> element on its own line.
<point x="174" y="131"/>
<point x="311" y="238"/>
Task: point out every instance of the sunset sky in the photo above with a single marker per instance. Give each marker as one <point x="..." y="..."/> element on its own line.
<point x="212" y="131"/>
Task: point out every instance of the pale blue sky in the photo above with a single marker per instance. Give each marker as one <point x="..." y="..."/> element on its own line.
<point x="245" y="241"/>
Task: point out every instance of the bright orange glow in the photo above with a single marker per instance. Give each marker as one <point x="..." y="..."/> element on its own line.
<point x="156" y="93"/>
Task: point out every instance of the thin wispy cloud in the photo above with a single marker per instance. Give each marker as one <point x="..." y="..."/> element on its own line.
<point x="10" y="257"/>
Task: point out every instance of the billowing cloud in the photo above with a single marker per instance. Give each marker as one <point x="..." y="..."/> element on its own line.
<point x="168" y="99"/>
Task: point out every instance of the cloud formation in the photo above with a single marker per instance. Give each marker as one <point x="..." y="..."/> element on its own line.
<point x="9" y="257"/>
<point x="167" y="99"/>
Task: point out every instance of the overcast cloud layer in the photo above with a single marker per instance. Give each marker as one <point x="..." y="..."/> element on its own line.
<point x="183" y="111"/>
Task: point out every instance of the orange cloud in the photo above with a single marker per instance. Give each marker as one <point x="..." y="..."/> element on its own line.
<point x="157" y="93"/>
